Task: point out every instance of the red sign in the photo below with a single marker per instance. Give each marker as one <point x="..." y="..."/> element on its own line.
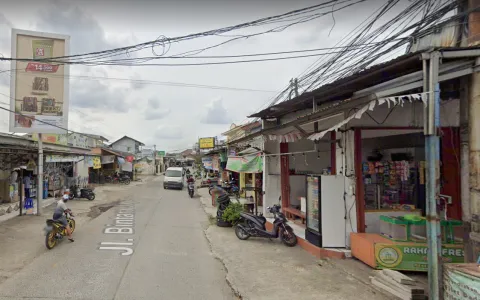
<point x="39" y="67"/>
<point x="129" y="158"/>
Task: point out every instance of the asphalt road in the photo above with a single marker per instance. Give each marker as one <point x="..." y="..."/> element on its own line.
<point x="171" y="258"/>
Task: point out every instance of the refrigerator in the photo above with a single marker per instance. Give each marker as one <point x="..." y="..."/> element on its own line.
<point x="325" y="211"/>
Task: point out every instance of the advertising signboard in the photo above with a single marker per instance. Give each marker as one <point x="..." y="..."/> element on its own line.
<point x="160" y="153"/>
<point x="206" y="143"/>
<point x="71" y="139"/>
<point x="413" y="256"/>
<point x="39" y="90"/>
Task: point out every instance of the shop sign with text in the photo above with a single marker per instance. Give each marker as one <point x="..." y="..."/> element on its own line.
<point x="206" y="143"/>
<point x="97" y="163"/>
<point x="413" y="256"/>
<point x="62" y="158"/>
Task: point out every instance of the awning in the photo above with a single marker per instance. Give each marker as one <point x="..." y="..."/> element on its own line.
<point x="390" y="101"/>
<point x="245" y="164"/>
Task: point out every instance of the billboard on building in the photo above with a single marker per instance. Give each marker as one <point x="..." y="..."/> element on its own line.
<point x="39" y="90"/>
<point x="206" y="143"/>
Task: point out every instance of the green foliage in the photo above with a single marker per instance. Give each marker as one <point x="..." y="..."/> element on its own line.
<point x="232" y="213"/>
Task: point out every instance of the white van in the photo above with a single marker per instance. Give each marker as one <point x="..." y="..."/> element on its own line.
<point x="173" y="178"/>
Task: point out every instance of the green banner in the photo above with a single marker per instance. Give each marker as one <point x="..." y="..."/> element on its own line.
<point x="160" y="153"/>
<point x="245" y="164"/>
<point x="413" y="256"/>
<point x="460" y="282"/>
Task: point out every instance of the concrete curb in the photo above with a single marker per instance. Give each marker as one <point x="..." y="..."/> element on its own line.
<point x="217" y="256"/>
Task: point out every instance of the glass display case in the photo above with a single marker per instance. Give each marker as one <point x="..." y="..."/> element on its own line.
<point x="325" y="211"/>
<point x="312" y="232"/>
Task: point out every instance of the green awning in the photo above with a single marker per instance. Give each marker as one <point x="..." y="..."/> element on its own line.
<point x="245" y="164"/>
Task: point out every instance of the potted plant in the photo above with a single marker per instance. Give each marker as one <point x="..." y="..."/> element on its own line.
<point x="232" y="213"/>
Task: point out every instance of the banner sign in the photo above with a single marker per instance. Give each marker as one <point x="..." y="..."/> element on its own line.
<point x="97" y="164"/>
<point x="413" y="256"/>
<point x="108" y="159"/>
<point x="73" y="139"/>
<point x="246" y="163"/>
<point x="127" y="167"/>
<point x="160" y="153"/>
<point x="207" y="163"/>
<point x="62" y="158"/>
<point x="206" y="143"/>
<point x="215" y="163"/>
<point x="461" y="281"/>
<point x="39" y="90"/>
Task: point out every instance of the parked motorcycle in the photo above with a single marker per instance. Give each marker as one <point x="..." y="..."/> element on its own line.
<point x="55" y="231"/>
<point x="118" y="179"/>
<point x="77" y="192"/>
<point x="252" y="225"/>
<point x="230" y="187"/>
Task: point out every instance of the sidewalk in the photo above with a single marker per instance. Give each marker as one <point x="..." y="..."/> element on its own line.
<point x="22" y="239"/>
<point x="262" y="269"/>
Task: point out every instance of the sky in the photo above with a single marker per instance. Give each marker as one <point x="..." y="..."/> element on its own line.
<point x="170" y="117"/>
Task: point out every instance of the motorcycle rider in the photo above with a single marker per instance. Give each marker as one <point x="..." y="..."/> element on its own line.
<point x="59" y="215"/>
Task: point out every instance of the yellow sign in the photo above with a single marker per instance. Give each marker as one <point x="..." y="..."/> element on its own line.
<point x="97" y="163"/>
<point x="206" y="143"/>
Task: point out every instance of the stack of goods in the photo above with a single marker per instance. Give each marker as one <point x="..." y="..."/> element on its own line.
<point x="223" y="201"/>
<point x="395" y="180"/>
<point x="397" y="284"/>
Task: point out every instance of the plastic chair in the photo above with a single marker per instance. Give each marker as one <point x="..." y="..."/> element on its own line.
<point x="28" y="203"/>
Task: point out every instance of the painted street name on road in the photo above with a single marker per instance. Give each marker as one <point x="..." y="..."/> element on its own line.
<point x="124" y="225"/>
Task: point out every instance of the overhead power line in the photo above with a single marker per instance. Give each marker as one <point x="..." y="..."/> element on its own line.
<point x="291" y="18"/>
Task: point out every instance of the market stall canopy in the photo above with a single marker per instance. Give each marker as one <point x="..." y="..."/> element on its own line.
<point x="250" y="163"/>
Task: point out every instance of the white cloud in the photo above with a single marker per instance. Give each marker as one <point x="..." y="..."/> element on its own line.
<point x="216" y="113"/>
<point x="168" y="133"/>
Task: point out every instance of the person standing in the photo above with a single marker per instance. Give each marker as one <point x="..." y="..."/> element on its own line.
<point x="27" y="181"/>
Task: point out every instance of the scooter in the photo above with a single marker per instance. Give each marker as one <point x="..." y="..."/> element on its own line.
<point x="77" y="192"/>
<point x="255" y="226"/>
<point x="191" y="188"/>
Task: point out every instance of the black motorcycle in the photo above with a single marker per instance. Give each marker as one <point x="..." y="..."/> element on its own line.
<point x="77" y="192"/>
<point x="252" y="225"/>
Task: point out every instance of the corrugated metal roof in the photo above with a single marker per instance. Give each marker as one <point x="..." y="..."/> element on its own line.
<point x="345" y="87"/>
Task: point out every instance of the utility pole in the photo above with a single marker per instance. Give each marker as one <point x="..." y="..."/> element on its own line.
<point x="471" y="214"/>
<point x="40" y="175"/>
<point x="432" y="154"/>
<point x="155" y="159"/>
<point x="293" y="88"/>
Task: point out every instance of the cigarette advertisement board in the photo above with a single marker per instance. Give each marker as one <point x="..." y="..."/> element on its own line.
<point x="39" y="89"/>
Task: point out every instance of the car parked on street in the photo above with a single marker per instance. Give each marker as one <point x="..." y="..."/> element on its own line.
<point x="173" y="178"/>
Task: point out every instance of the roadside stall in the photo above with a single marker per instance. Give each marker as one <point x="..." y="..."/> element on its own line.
<point x="248" y="166"/>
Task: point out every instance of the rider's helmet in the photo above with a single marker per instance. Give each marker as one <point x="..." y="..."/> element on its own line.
<point x="65" y="198"/>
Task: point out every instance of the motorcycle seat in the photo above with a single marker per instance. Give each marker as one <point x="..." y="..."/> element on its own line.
<point x="262" y="219"/>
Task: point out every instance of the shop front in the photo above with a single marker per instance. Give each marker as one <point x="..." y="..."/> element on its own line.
<point x="249" y="167"/>
<point x="386" y="159"/>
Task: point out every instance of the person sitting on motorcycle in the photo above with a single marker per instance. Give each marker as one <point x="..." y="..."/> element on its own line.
<point x="59" y="215"/>
<point x="190" y="179"/>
